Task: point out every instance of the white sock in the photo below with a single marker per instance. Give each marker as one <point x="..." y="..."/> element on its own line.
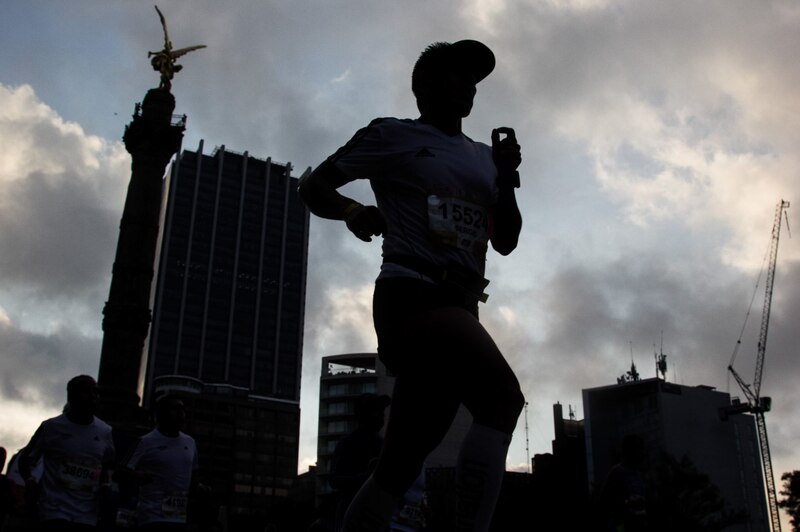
<point x="371" y="509"/>
<point x="479" y="476"/>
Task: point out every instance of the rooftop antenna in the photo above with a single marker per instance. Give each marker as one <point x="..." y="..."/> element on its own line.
<point x="571" y="413"/>
<point x="632" y="375"/>
<point x="661" y="360"/>
<point x="527" y="440"/>
<point x="655" y="357"/>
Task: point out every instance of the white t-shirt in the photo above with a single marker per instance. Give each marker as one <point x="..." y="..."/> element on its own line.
<point x="435" y="190"/>
<point x="171" y="462"/>
<point x="73" y="456"/>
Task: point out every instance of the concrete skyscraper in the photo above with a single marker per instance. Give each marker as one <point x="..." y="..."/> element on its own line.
<point x="228" y="319"/>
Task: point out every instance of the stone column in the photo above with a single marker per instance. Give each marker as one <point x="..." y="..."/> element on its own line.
<point x="152" y="138"/>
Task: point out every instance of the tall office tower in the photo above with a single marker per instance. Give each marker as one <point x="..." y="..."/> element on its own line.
<point x="227" y="332"/>
<point x="683" y="421"/>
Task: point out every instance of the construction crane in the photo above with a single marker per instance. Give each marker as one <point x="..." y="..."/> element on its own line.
<point x="755" y="403"/>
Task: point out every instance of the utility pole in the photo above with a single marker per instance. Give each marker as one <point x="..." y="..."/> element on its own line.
<point x="527" y="439"/>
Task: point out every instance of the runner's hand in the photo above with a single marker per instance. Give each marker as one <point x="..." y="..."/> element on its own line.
<point x="366" y="222"/>
<point x="506" y="152"/>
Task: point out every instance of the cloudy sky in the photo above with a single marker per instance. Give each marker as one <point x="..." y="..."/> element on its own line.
<point x="657" y="139"/>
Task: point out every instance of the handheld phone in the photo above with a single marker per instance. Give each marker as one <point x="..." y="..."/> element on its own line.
<point x="503" y="134"/>
<point x="505" y="152"/>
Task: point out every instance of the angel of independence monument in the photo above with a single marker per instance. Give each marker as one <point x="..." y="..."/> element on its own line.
<point x="152" y="138"/>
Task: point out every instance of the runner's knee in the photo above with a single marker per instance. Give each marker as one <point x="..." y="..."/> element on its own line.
<point x="516" y="401"/>
<point x="397" y="474"/>
<point x="500" y="408"/>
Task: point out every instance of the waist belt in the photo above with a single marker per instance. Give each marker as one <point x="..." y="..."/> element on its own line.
<point x="453" y="275"/>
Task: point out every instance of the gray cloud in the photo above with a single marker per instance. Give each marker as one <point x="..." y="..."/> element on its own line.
<point x="62" y="198"/>
<point x="53" y="235"/>
<point x="59" y="210"/>
<point x="36" y="367"/>
<point x="593" y="314"/>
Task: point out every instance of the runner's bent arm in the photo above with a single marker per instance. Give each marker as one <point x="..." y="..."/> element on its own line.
<point x="28" y="456"/>
<point x="319" y="192"/>
<point x="506" y="218"/>
<point x="507" y="221"/>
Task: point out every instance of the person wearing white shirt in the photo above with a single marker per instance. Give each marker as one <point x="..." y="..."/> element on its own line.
<point x="164" y="464"/>
<point x="77" y="450"/>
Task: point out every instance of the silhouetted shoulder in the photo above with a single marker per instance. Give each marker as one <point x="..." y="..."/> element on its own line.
<point x="364" y="151"/>
<point x="105" y="427"/>
<point x="385" y="124"/>
<point x="390" y="120"/>
<point x="390" y="123"/>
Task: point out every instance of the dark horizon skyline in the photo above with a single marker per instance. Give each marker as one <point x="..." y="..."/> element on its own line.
<point x="656" y="142"/>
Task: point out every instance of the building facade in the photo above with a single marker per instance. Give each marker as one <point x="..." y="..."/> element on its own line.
<point x="231" y="280"/>
<point x="228" y="313"/>
<point x="686" y="423"/>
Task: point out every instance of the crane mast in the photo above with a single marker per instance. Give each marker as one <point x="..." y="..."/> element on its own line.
<point x="756" y="404"/>
<point x="773" y="257"/>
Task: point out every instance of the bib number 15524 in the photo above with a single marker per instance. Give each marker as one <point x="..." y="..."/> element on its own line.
<point x="458" y="223"/>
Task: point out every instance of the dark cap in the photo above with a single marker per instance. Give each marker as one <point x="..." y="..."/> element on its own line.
<point x="472" y="55"/>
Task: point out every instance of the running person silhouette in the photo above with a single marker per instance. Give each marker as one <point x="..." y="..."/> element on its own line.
<point x="77" y="451"/>
<point x="164" y="465"/>
<point x="442" y="198"/>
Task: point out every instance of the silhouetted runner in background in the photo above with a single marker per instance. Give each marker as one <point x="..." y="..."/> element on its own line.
<point x="23" y="512"/>
<point x="624" y="492"/>
<point x="441" y="199"/>
<point x="6" y="495"/>
<point x="356" y="454"/>
<point x="163" y="463"/>
<point x="77" y="450"/>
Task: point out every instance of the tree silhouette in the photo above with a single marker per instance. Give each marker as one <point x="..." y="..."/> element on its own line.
<point x="791" y="497"/>
<point x="683" y="498"/>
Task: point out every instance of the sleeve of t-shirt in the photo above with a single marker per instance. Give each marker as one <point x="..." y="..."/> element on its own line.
<point x="195" y="464"/>
<point x="495" y="190"/>
<point x="36" y="446"/>
<point x="134" y="455"/>
<point x="362" y="157"/>
<point x="110" y="453"/>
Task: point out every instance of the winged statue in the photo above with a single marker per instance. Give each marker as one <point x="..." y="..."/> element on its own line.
<point x="164" y="60"/>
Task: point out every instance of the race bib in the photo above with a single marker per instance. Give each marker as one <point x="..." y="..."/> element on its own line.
<point x="126" y="518"/>
<point x="174" y="506"/>
<point x="458" y="223"/>
<point x="79" y="475"/>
